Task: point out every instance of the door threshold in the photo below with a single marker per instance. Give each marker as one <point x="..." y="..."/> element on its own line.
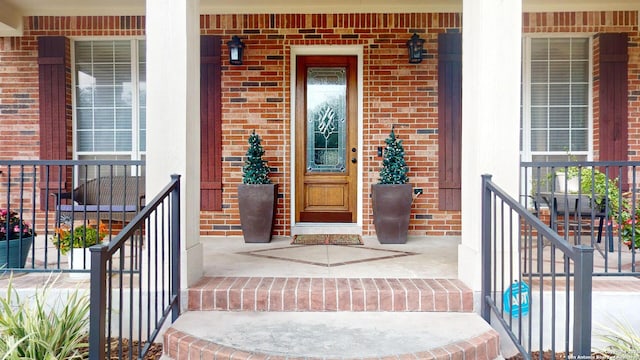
<point x="325" y="228"/>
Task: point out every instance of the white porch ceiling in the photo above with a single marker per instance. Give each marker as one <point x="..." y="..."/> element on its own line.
<point x="13" y="11"/>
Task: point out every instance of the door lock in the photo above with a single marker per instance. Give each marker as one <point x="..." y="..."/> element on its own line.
<point x="354" y="160"/>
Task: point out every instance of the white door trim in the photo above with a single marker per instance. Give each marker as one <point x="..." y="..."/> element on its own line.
<point x="337" y="228"/>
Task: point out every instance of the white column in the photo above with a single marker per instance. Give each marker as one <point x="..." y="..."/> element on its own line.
<point x="491" y="61"/>
<point x="173" y="116"/>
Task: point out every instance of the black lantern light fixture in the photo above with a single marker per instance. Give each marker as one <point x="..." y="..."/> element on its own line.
<point x="236" y="48"/>
<point x="415" y="45"/>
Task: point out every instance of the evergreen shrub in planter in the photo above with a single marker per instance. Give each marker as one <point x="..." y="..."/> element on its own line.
<point x="256" y="195"/>
<point x="392" y="195"/>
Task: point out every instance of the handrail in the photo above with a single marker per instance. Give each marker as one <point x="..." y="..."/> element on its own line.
<point x="115" y="302"/>
<point x="503" y="244"/>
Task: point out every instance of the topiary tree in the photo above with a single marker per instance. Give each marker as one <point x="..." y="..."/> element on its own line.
<point x="255" y="169"/>
<point x="394" y="169"/>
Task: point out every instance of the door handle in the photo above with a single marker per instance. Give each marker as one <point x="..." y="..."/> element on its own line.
<point x="354" y="160"/>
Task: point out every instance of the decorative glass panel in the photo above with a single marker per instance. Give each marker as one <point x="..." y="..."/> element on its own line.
<point x="326" y="119"/>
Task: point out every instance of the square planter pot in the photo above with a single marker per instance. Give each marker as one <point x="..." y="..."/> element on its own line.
<point x="257" y="205"/>
<point x="391" y="212"/>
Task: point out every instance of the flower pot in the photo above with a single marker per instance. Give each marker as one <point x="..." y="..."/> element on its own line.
<point x="18" y="250"/>
<point x="391" y="212"/>
<point x="79" y="259"/>
<point x="257" y="205"/>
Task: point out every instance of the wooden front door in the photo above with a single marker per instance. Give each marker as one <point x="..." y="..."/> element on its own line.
<point x="326" y="139"/>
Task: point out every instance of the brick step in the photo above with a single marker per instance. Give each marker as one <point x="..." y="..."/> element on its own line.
<point x="224" y="335"/>
<point x="329" y="294"/>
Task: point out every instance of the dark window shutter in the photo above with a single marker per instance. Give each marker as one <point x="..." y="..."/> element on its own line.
<point x="210" y="123"/>
<point x="53" y="90"/>
<point x="613" y="97"/>
<point x="449" y="120"/>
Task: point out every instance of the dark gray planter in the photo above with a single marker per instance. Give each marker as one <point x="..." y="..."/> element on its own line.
<point x="391" y="212"/>
<point x="257" y="205"/>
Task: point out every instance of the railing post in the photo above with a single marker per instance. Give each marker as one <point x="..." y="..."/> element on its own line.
<point x="582" y="302"/>
<point x="485" y="309"/>
<point x="98" y="305"/>
<point x="175" y="248"/>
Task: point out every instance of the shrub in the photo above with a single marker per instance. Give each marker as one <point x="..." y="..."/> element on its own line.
<point x="29" y="329"/>
<point x="394" y="168"/>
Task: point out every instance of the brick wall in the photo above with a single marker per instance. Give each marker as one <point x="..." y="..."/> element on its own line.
<point x="256" y="95"/>
<point x="395" y="93"/>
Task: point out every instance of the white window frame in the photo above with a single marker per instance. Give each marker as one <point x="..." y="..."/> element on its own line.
<point x="135" y="153"/>
<point x="526" y="153"/>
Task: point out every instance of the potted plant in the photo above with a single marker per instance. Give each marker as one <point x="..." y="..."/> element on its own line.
<point x="16" y="238"/>
<point x="392" y="195"/>
<point x="74" y="242"/>
<point x="256" y="195"/>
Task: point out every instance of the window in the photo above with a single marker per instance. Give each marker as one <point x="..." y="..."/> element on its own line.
<point x="556" y="109"/>
<point x="109" y="99"/>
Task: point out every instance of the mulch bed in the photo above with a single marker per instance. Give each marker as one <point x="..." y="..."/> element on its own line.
<point x="154" y="353"/>
<point x="547" y="355"/>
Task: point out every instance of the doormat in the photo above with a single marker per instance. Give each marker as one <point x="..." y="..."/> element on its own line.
<point x="327" y="239"/>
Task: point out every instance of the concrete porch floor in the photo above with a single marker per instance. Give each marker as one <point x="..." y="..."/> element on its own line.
<point x="421" y="257"/>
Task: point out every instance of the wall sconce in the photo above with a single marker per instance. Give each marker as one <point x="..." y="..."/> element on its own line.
<point x="236" y="48"/>
<point x="415" y="45"/>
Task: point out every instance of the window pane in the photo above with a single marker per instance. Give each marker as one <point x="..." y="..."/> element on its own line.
<point x="85" y="140"/>
<point x="579" y="117"/>
<point x="559" y="117"/>
<point x="539" y="49"/>
<point x="558" y="94"/>
<point x="103" y="74"/>
<point x="539" y="117"/>
<point x="122" y="51"/>
<point x="83" y="51"/>
<point x="559" y="140"/>
<point x="85" y="119"/>
<point x="579" y="94"/>
<point x="104" y="141"/>
<point x="580" y="71"/>
<point x="559" y="49"/>
<point x="104" y="119"/>
<point x="560" y="71"/>
<point x="539" y="72"/>
<point x="539" y="94"/>
<point x="84" y="97"/>
<point x="579" y="140"/>
<point x="539" y="140"/>
<point x="580" y="48"/>
<point x="102" y="51"/>
<point x="123" y="118"/>
<point x="104" y="96"/>
<point x="123" y="140"/>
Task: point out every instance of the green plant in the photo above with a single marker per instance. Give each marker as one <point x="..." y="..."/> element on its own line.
<point x="255" y="169"/>
<point x="394" y="168"/>
<point x="623" y="342"/>
<point x="597" y="185"/>
<point x="31" y="329"/>
<point x="82" y="236"/>
<point x="12" y="226"/>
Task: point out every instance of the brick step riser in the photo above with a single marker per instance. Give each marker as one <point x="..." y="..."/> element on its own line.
<point x="317" y="294"/>
<point x="181" y="346"/>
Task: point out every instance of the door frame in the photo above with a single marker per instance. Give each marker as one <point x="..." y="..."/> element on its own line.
<point x="306" y="228"/>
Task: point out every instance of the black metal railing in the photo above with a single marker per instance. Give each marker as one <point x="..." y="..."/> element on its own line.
<point x="593" y="203"/>
<point x="128" y="308"/>
<point x="62" y="200"/>
<point x="547" y="310"/>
